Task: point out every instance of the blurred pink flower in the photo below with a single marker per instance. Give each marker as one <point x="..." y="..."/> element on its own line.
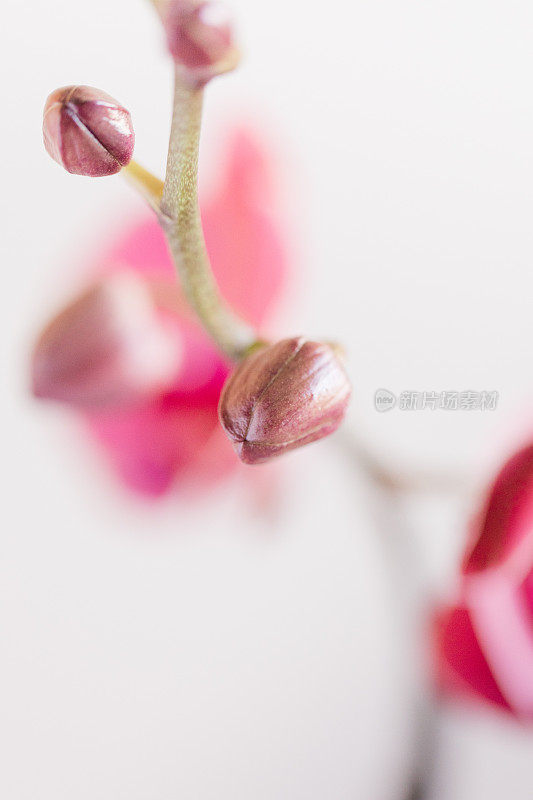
<point x="171" y="432"/>
<point x="485" y="641"/>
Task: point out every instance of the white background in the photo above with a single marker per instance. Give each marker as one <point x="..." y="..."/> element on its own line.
<point x="199" y="650"/>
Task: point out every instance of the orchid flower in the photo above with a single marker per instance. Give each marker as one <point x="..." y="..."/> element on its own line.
<point x="485" y="639"/>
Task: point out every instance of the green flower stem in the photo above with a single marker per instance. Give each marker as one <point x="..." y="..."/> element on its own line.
<point x="180" y="219"/>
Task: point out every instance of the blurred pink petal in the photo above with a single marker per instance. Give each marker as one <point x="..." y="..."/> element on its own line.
<point x="507" y="515"/>
<point x="486" y="642"/>
<point x="153" y="445"/>
<point x="504" y="627"/>
<point x="461" y="666"/>
<point x="243" y="232"/>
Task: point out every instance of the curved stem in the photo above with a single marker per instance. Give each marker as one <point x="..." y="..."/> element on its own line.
<point x="180" y="219"/>
<point x="150" y="187"/>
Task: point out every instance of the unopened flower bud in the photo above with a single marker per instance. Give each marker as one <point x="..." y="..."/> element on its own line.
<point x="109" y="347"/>
<point x="200" y="38"/>
<point x="284" y="396"/>
<point x="87" y="132"/>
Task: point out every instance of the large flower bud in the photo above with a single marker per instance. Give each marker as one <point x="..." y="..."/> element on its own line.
<point x="108" y="347"/>
<point x="87" y="132"/>
<point x="284" y="396"/>
<point x="200" y="38"/>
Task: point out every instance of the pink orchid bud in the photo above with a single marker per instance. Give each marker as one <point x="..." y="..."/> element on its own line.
<point x="87" y="132"/>
<point x="282" y="397"/>
<point x="109" y="347"/>
<point x="200" y="38"/>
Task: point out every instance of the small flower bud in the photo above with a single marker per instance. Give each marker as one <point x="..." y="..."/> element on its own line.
<point x="282" y="397"/>
<point x="109" y="347"/>
<point x="87" y="132"/>
<point x="200" y="38"/>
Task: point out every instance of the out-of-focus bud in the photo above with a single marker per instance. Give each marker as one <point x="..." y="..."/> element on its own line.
<point x="87" y="132"/>
<point x="200" y="38"/>
<point x="282" y="397"/>
<point x="109" y="347"/>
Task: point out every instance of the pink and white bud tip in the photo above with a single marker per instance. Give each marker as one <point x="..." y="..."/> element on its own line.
<point x="284" y="396"/>
<point x="200" y="39"/>
<point x="87" y="132"/>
